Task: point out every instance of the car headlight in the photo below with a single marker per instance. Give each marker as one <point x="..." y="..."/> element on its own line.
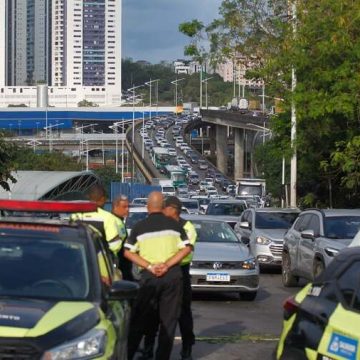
<point x="249" y="264"/>
<point x="86" y="346"/>
<point x="262" y="240"/>
<point x="331" y="251"/>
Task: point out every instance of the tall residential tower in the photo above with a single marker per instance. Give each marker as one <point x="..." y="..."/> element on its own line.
<point x="64" y="43"/>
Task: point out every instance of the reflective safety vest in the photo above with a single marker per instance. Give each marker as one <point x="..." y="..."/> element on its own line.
<point x="192" y="236"/>
<point x="108" y="224"/>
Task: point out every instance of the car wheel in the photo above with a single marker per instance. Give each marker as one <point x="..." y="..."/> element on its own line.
<point x="248" y="296"/>
<point x="319" y="267"/>
<point x="288" y="278"/>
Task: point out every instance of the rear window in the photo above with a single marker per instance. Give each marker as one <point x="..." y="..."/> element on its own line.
<point x="272" y="220"/>
<point x="231" y="209"/>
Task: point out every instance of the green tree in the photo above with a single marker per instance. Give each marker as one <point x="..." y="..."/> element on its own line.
<point x="324" y="51"/>
<point x="86" y="103"/>
<point x="7" y="164"/>
<point x="26" y="159"/>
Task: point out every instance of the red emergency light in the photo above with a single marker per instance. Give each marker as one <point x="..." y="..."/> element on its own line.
<point x="48" y="206"/>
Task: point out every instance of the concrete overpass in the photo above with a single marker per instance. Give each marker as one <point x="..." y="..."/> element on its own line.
<point x="224" y="127"/>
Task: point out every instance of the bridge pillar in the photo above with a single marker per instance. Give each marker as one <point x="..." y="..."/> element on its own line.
<point x="221" y="148"/>
<point x="212" y="136"/>
<point x="238" y="153"/>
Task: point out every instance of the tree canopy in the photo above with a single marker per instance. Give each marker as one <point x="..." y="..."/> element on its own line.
<point x="320" y="40"/>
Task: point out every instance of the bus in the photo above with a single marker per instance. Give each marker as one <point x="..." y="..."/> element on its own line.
<point x="160" y="158"/>
<point x="176" y="174"/>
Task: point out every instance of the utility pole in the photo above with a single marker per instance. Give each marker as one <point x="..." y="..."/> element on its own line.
<point x="293" y="163"/>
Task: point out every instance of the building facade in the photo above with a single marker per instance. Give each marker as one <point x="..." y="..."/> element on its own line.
<point x="71" y="44"/>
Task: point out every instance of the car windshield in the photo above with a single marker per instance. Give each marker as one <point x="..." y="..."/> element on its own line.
<point x="214" y="231"/>
<point x="204" y="201"/>
<point x="341" y="227"/>
<point x="43" y="268"/>
<point x="190" y="204"/>
<point x="233" y="209"/>
<point x="168" y="189"/>
<point x="274" y="220"/>
<point x="139" y="201"/>
<point x="135" y="217"/>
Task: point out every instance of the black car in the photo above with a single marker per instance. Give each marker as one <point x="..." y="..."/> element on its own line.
<point x="322" y="320"/>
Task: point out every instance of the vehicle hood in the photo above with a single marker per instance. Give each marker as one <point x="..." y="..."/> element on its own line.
<point x="57" y="321"/>
<point x="273" y="234"/>
<point x="207" y="251"/>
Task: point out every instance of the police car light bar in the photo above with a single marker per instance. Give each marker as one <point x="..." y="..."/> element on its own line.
<point x="48" y="206"/>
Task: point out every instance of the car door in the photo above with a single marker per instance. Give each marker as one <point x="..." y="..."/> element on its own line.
<point x="341" y="336"/>
<point x="245" y="234"/>
<point x="294" y="237"/>
<point x="307" y="246"/>
<point x="117" y="312"/>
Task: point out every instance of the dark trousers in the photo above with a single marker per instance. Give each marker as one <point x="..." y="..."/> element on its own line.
<point x="160" y="296"/>
<point x="186" y="322"/>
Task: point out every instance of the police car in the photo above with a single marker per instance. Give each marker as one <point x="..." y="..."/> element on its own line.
<point x="60" y="295"/>
<point x="323" y="320"/>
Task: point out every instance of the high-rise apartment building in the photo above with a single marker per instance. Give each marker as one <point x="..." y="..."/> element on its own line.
<point x="64" y="43"/>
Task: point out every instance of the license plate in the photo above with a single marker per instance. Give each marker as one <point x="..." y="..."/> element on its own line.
<point x="217" y="277"/>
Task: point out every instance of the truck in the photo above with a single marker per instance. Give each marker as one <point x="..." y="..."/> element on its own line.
<point x="239" y="104"/>
<point x="189" y="107"/>
<point x="251" y="186"/>
<point x="167" y="186"/>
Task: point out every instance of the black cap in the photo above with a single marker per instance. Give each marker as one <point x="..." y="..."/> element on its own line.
<point x="174" y="202"/>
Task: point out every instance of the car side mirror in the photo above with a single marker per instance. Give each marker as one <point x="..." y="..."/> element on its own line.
<point x="308" y="234"/>
<point x="123" y="290"/>
<point x="244" y="225"/>
<point x="245" y="240"/>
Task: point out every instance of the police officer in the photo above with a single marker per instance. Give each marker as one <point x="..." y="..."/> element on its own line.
<point x="102" y="220"/>
<point x="172" y="208"/>
<point x="157" y="244"/>
<point x="120" y="208"/>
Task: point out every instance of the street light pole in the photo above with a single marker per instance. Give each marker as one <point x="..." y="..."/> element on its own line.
<point x="206" y="90"/>
<point x="175" y="82"/>
<point x="133" y="130"/>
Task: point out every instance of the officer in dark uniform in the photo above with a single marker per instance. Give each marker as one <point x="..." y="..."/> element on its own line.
<point x="172" y="209"/>
<point x="157" y="244"/>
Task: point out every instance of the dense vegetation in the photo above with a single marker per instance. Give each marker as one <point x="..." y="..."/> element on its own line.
<point x="320" y="41"/>
<point x="134" y="74"/>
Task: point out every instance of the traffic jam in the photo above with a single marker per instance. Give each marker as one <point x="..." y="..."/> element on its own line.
<point x="64" y="297"/>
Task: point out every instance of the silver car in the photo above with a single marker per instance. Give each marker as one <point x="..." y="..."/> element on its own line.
<point x="221" y="261"/>
<point x="314" y="240"/>
<point x="264" y="229"/>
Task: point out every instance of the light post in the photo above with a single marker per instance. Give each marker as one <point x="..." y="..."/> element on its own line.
<point x="50" y="127"/>
<point x="33" y="143"/>
<point x="86" y="141"/>
<point x="149" y="83"/>
<point x="115" y="127"/>
<point x="175" y="82"/>
<point x="133" y="129"/>
<point x="206" y="90"/>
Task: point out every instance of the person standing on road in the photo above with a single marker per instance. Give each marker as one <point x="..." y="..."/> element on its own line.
<point x="172" y="208"/>
<point x="102" y="220"/>
<point x="157" y="244"/>
<point x="120" y="208"/>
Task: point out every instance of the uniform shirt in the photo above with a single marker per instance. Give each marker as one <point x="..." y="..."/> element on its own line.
<point x="157" y="238"/>
<point x="108" y="224"/>
<point x="192" y="236"/>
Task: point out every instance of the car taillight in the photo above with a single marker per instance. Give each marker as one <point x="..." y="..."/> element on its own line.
<point x="291" y="306"/>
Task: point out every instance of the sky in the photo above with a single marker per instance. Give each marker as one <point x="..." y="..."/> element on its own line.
<point x="150" y="27"/>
